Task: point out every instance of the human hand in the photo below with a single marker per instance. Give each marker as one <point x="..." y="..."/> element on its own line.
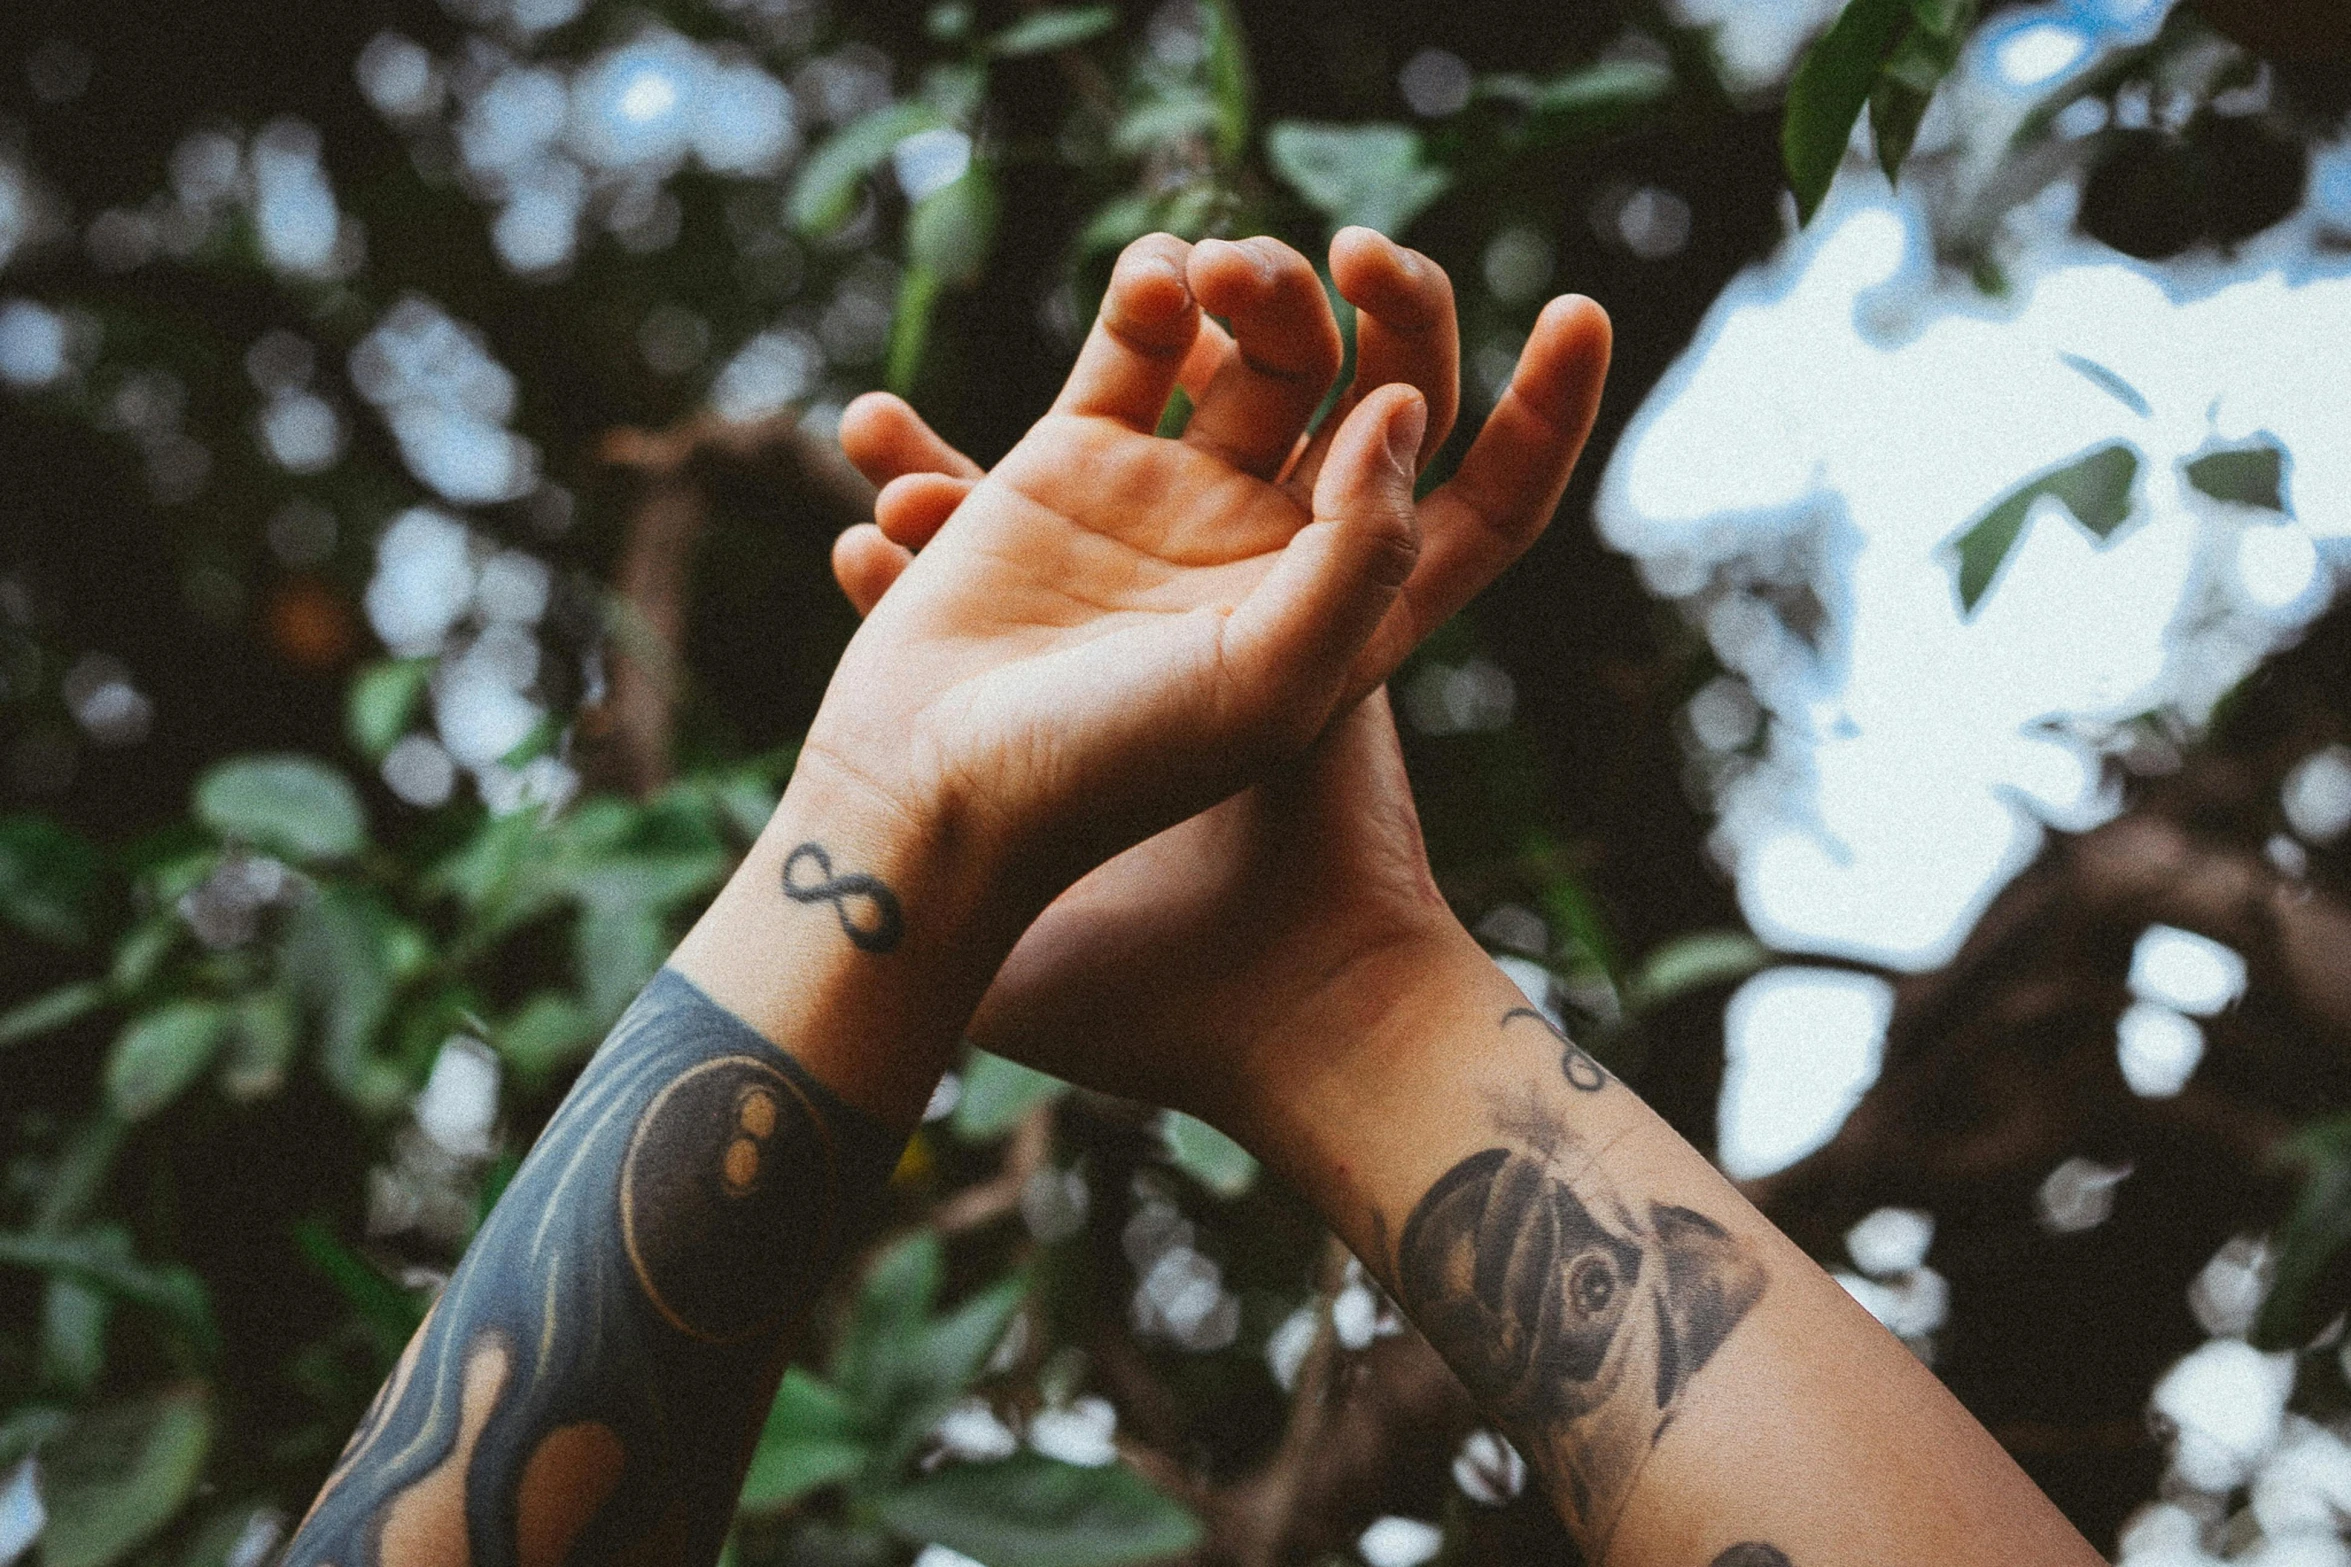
<point x="1196" y="950"/>
<point x="1113" y="630"/>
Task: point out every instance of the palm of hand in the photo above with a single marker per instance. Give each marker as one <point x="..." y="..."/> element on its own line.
<point x="1094" y="640"/>
<point x="1185" y="949"/>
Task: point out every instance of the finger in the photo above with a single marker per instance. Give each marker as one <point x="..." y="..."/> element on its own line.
<point x="1208" y="354"/>
<point x="883" y="437"/>
<point x="914" y="506"/>
<point x="1501" y="498"/>
<point x="865" y="564"/>
<point x="1291" y="643"/>
<point x="1147" y="325"/>
<point x="1286" y="351"/>
<point x="1404" y="331"/>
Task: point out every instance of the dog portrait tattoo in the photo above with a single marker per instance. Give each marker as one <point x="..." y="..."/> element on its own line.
<point x="1576" y="1319"/>
<point x="588" y="1387"/>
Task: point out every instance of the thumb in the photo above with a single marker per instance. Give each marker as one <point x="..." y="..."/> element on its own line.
<point x="1296" y="635"/>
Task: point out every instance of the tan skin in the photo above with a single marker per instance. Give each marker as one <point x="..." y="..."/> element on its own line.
<point x="1284" y="966"/>
<point x="1112" y="633"/>
<point x="1094" y="644"/>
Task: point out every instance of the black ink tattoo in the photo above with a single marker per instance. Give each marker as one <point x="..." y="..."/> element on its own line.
<point x="1753" y="1554"/>
<point x="588" y="1386"/>
<point x="879" y="934"/>
<point x="1575" y="1062"/>
<point x="1575" y="1320"/>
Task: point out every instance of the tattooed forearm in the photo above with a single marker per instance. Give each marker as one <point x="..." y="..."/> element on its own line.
<point x="587" y="1388"/>
<point x="1576" y="1319"/>
<point x="1753" y="1554"/>
<point x="809" y="878"/>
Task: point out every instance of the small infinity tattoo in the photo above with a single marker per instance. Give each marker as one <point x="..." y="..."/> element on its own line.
<point x="889" y="921"/>
<point x="1575" y="1062"/>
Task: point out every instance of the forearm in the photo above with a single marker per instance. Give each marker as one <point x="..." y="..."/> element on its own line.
<point x="1681" y="1375"/>
<point x="589" y="1385"/>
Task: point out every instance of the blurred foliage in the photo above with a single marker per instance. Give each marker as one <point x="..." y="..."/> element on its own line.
<point x="221" y="1214"/>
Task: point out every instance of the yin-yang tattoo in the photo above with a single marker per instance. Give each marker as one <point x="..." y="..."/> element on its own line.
<point x="1575" y="1319"/>
<point x="588" y="1387"/>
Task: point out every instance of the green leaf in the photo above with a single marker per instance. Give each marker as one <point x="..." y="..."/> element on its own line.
<point x="117" y="1476"/>
<point x="1827" y="94"/>
<point x="1167" y="117"/>
<point x="337" y="956"/>
<point x="1042" y="32"/>
<point x="223" y="1539"/>
<point x="48" y="879"/>
<point x="392" y="1314"/>
<point x="1371" y="174"/>
<point x="142" y="949"/>
<point x="2095" y="487"/>
<point x="295" y="805"/>
<point x="160" y="1054"/>
<point x="616" y="952"/>
<point x="1031" y="1511"/>
<point x="1686" y="963"/>
<point x="1911" y="74"/>
<point x="784" y="1471"/>
<point x="2311" y="1245"/>
<point x="1588" y="101"/>
<point x="52" y="1010"/>
<point x="100" y="1257"/>
<point x="1231" y="84"/>
<point x="29" y="1427"/>
<point x="550" y="1032"/>
<point x="997" y="1095"/>
<point x="910" y="329"/>
<point x="2242" y="476"/>
<point x="824" y="192"/>
<point x="949" y="230"/>
<point x="927" y="1376"/>
<point x="73" y="1332"/>
<point x="265" y="1027"/>
<point x="1117" y="222"/>
<point x="1207" y="1155"/>
<point x="2108" y="382"/>
<point x="890" y="1309"/>
<point x="382" y="700"/>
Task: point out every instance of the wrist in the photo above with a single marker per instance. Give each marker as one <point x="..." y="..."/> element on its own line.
<point x="857" y="935"/>
<point x="1353" y="1043"/>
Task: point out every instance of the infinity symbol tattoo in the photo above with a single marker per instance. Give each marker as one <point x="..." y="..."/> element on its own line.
<point x="889" y="920"/>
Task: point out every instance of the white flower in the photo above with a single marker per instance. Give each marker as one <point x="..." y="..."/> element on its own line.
<point x="940" y="1556"/>
<point x="1286" y="1346"/>
<point x="32" y="344"/>
<point x="1890" y="1241"/>
<point x="423" y="580"/>
<point x="971" y="1432"/>
<point x="1076" y="1433"/>
<point x="1399" y="1542"/>
<point x="2304" y="1486"/>
<point x="2227" y="1401"/>
<point x="459" y="1104"/>
<point x="1488" y="1469"/>
<point x="2226" y="1295"/>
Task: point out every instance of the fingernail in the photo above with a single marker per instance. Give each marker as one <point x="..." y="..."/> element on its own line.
<point x="1405" y="428"/>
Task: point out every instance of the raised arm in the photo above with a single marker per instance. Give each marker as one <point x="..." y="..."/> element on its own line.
<point x="1114" y="632"/>
<point x="1693" y="1390"/>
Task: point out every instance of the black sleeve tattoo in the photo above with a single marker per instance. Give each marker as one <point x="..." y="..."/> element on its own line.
<point x="878" y="934"/>
<point x="1753" y="1554"/>
<point x="588" y="1387"/>
<point x="1577" y="1320"/>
